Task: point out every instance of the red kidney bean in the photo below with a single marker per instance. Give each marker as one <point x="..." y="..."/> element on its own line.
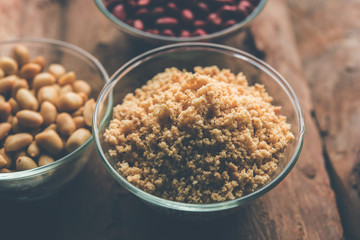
<point x="187" y="16"/>
<point x="245" y="7"/>
<point x="172" y="8"/>
<point x="119" y="12"/>
<point x="199" y="23"/>
<point x="168" y="32"/>
<point x="228" y="11"/>
<point x="199" y="32"/>
<point x="158" y="11"/>
<point x="143" y="14"/>
<point x="185" y="33"/>
<point x="229" y="23"/>
<point x="166" y="22"/>
<point x="143" y="3"/>
<point x="214" y="20"/>
<point x="138" y="24"/>
<point x="153" y="31"/>
<point x="181" y="18"/>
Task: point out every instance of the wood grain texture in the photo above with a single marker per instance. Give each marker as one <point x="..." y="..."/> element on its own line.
<point x="94" y="206"/>
<point x="329" y="45"/>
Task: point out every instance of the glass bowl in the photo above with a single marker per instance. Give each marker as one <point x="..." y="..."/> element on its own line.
<point x="43" y="181"/>
<point x="159" y="39"/>
<point x="139" y="70"/>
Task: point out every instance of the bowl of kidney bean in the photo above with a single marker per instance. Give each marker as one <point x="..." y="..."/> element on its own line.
<point x="180" y="20"/>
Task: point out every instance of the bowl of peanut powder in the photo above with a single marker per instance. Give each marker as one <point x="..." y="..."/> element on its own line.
<point x="198" y="129"/>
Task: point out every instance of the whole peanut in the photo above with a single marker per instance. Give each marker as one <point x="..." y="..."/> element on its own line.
<point x="82" y="86"/>
<point x="77" y="139"/>
<point x="57" y="70"/>
<point x="6" y="157"/>
<point x="4" y="129"/>
<point x="5" y="111"/>
<point x="14" y="105"/>
<point x="19" y="83"/>
<point x="17" y="141"/>
<point x="21" y="54"/>
<point x="48" y="112"/>
<point x="40" y="60"/>
<point x="65" y="124"/>
<point x="29" y="70"/>
<point x="48" y="93"/>
<point x="50" y="141"/>
<point x="7" y="83"/>
<point x="8" y="65"/>
<point x="45" y="160"/>
<point x="79" y="122"/>
<point x="89" y="109"/>
<point x="67" y="78"/>
<point x="25" y="163"/>
<point x="28" y="118"/>
<point x="70" y="101"/>
<point x="43" y="79"/>
<point x="26" y="99"/>
<point x="33" y="149"/>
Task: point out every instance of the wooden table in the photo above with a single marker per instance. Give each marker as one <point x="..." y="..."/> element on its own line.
<point x="314" y="44"/>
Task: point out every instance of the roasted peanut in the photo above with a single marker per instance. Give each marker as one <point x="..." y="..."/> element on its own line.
<point x="48" y="112"/>
<point x="25" y="163"/>
<point x="89" y="109"/>
<point x="7" y="83"/>
<point x="15" y="125"/>
<point x="69" y="102"/>
<point x="40" y="60"/>
<point x="2" y="73"/>
<point x="17" y="141"/>
<point x="65" y="89"/>
<point x="5" y="170"/>
<point x="57" y="70"/>
<point x="48" y="93"/>
<point x="2" y="162"/>
<point x="82" y="86"/>
<point x="5" y="111"/>
<point x="29" y="70"/>
<point x="8" y="65"/>
<point x="14" y="105"/>
<point x="79" y="112"/>
<point x="65" y="124"/>
<point x="26" y="99"/>
<point x="19" y="83"/>
<point x="77" y="139"/>
<point x="2" y="98"/>
<point x="67" y="78"/>
<point x="52" y="126"/>
<point x="4" y="129"/>
<point x="50" y="141"/>
<point x="79" y="122"/>
<point x="33" y="150"/>
<point x="6" y="157"/>
<point x="28" y="118"/>
<point x="45" y="160"/>
<point x="43" y="79"/>
<point x="21" y="54"/>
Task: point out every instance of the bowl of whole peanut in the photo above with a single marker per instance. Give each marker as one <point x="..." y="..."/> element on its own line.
<point x="166" y="21"/>
<point x="197" y="130"/>
<point x="47" y="99"/>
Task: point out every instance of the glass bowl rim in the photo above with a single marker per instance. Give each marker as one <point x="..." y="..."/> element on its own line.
<point x="104" y="77"/>
<point x="131" y="30"/>
<point x="191" y="207"/>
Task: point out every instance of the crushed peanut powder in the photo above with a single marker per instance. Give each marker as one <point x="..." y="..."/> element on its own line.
<point x="198" y="137"/>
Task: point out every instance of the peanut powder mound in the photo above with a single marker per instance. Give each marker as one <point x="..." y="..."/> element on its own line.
<point x="198" y="137"/>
